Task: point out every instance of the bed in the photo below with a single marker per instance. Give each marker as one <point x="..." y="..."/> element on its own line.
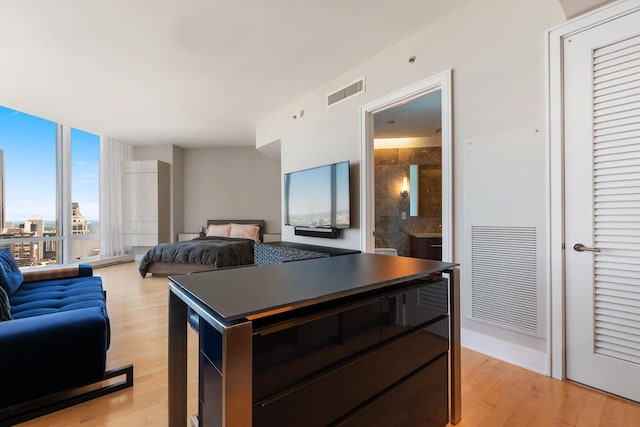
<point x="227" y="243"/>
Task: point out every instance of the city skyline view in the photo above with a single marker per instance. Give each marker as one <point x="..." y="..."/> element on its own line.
<point x="30" y="168"/>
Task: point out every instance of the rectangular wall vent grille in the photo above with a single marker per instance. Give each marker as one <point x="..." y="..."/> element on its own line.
<point x="434" y="297"/>
<point x="504" y="284"/>
<point x="346" y="92"/>
<point x="616" y="161"/>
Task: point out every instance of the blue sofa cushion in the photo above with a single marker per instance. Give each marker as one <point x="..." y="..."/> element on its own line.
<point x="52" y="296"/>
<point x="59" y="295"/>
<point x="10" y="274"/>
<point x="5" y="308"/>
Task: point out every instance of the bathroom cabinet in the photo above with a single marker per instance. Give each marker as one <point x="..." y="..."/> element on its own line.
<point x="425" y="245"/>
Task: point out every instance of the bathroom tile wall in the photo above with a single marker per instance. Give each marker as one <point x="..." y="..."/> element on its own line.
<point x="391" y="165"/>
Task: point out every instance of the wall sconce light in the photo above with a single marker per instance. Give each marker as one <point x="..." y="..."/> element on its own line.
<point x="405" y="188"/>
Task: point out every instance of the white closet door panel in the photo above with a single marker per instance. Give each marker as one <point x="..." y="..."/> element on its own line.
<point x="620" y="92"/>
<point x="616" y="108"/>
<point x="617" y="103"/>
<point x="602" y="161"/>
<point x="620" y="113"/>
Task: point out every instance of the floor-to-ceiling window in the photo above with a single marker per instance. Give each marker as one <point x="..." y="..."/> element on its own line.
<point x="85" y="194"/>
<point x="29" y="191"/>
<point x="41" y="162"/>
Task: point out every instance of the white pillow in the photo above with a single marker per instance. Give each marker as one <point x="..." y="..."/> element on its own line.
<point x="245" y="231"/>
<point x="218" y="230"/>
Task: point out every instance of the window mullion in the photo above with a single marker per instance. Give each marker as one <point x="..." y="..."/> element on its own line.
<point x="64" y="190"/>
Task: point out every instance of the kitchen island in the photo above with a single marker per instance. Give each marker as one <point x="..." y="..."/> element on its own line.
<point x="361" y="339"/>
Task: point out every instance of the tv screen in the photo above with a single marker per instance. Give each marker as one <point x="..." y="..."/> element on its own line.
<point x="318" y="197"/>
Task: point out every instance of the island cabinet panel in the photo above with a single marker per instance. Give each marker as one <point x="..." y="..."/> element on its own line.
<point x="284" y="358"/>
<point x="419" y="400"/>
<point x="323" y="365"/>
<point x="329" y="395"/>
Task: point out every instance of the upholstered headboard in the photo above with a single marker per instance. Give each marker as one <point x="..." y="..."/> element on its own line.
<point x="258" y="222"/>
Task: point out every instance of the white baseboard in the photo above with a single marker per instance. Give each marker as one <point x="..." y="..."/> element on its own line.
<point x="105" y="262"/>
<point x="515" y="354"/>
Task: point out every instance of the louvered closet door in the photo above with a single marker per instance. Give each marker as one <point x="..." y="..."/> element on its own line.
<point x="602" y="206"/>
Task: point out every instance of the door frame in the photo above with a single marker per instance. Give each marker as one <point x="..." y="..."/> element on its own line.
<point x="442" y="82"/>
<point x="555" y="169"/>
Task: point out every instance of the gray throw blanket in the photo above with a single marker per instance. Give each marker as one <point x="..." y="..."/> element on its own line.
<point x="214" y="251"/>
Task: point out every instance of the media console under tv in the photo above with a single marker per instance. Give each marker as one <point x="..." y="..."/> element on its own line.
<point x="360" y="339"/>
<point x="327" y="233"/>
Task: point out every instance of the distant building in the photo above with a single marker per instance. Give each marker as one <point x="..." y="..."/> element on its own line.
<point x="25" y="253"/>
<point x="50" y="248"/>
<point x="79" y="225"/>
<point x="35" y="225"/>
<point x="30" y="254"/>
<point x="45" y="251"/>
<point x="82" y="247"/>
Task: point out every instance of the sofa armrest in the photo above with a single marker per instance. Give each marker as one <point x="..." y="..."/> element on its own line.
<point x="52" y="352"/>
<point x="57" y="272"/>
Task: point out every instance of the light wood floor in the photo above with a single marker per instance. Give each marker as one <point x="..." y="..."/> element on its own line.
<point x="494" y="393"/>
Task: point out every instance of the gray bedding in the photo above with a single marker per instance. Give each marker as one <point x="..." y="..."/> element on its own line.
<point x="217" y="252"/>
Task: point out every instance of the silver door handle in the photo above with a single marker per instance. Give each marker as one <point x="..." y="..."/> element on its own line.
<point x="579" y="247"/>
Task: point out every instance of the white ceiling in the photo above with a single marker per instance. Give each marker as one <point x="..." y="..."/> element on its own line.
<point x="419" y="118"/>
<point x="187" y="72"/>
<point x="573" y="8"/>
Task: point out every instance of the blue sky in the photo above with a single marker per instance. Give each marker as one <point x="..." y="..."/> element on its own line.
<point x="30" y="167"/>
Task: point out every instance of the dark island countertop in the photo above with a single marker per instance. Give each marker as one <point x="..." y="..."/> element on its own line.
<point x="254" y="292"/>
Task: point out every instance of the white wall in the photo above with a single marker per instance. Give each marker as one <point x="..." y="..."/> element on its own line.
<point x="496" y="50"/>
<point x="177" y="195"/>
<point x="231" y="183"/>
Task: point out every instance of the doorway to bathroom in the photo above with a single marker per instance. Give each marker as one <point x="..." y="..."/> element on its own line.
<point x="407" y="171"/>
<point x="407" y="157"/>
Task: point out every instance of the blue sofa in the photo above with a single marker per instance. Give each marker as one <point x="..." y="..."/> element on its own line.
<point x="55" y="339"/>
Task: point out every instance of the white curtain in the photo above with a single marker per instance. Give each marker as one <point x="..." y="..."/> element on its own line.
<point x="112" y="154"/>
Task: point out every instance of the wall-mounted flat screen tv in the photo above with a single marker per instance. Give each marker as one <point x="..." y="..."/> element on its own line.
<point x="318" y="197"/>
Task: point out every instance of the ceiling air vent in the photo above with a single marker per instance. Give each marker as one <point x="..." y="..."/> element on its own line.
<point x="346" y="92"/>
